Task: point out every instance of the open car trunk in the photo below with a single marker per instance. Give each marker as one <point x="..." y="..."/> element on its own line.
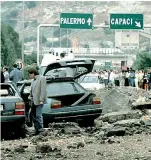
<point x="73" y="100"/>
<point x="68" y="100"/>
<point x="79" y="67"/>
<point x="70" y="93"/>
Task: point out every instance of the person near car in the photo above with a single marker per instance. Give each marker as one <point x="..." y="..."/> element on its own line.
<point x="6" y="74"/>
<point x="67" y="72"/>
<point x="38" y="98"/>
<point x="16" y="74"/>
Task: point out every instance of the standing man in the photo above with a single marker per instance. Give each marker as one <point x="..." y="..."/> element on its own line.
<point x="38" y="98"/>
<point x="16" y="74"/>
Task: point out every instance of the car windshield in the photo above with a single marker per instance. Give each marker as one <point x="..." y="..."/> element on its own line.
<point x="90" y="79"/>
<point x="63" y="88"/>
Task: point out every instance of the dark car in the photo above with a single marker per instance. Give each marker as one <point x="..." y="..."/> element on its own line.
<point x="12" y="109"/>
<point x="66" y="98"/>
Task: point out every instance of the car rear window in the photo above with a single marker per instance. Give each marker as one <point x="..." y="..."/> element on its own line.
<point x="63" y="88"/>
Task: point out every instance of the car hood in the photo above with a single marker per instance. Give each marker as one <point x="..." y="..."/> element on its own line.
<point x="87" y="64"/>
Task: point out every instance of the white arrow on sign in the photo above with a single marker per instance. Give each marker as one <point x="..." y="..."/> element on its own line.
<point x="89" y="21"/>
<point x="138" y="24"/>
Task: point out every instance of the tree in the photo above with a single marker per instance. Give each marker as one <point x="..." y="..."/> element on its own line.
<point x="31" y="4"/>
<point x="143" y="61"/>
<point x="30" y="59"/>
<point x="11" y="48"/>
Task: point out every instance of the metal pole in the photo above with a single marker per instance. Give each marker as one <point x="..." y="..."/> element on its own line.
<point x="41" y="41"/>
<point x="57" y="25"/>
<point x="60" y="37"/>
<point x="67" y="41"/>
<point x="38" y="45"/>
<point x="23" y="33"/>
<point x="52" y="37"/>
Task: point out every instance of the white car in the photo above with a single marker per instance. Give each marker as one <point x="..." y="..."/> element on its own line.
<point x="92" y="81"/>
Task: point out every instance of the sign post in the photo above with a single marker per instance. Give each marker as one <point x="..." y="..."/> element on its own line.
<point x="126" y="21"/>
<point x="76" y="20"/>
<point x="20" y="64"/>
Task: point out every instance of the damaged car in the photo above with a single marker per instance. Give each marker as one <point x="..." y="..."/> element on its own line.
<point x="12" y="109"/>
<point x="67" y="100"/>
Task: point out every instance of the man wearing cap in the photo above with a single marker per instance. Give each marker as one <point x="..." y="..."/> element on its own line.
<point x="38" y="98"/>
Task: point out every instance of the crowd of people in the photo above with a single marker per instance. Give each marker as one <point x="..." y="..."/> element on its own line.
<point x="129" y="77"/>
<point x="15" y="75"/>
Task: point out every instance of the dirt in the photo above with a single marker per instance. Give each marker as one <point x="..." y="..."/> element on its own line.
<point x="136" y="147"/>
<point x="120" y="135"/>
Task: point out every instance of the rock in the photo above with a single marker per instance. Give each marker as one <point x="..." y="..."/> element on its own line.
<point x="128" y="123"/>
<point x="100" y="134"/>
<point x="36" y="139"/>
<point x="38" y="156"/>
<point x="146" y="120"/>
<point x="99" y="153"/>
<point x="72" y="146"/>
<point x="120" y="98"/>
<point x="19" y="149"/>
<point x="7" y="149"/>
<point x="24" y="145"/>
<point x="68" y="128"/>
<point x="46" y="148"/>
<point x="116" y="131"/>
<point x="9" y="155"/>
<point x="80" y="145"/>
<point x="115" y="101"/>
<point x="76" y="145"/>
<point x="121" y="115"/>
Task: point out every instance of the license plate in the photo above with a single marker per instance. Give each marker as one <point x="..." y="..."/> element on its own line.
<point x="1" y="108"/>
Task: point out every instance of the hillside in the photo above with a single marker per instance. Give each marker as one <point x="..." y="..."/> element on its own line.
<point x="38" y="12"/>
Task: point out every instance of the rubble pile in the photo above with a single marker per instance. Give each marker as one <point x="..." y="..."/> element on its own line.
<point x="126" y="114"/>
<point x="123" y="99"/>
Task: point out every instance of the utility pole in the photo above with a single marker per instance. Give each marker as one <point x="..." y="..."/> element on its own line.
<point x="23" y="32"/>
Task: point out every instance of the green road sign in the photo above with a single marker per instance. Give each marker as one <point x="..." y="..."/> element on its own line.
<point x="108" y="65"/>
<point x="76" y="20"/>
<point x="126" y="21"/>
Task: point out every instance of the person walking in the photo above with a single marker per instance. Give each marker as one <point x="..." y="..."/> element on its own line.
<point x="6" y="74"/>
<point x="16" y="75"/>
<point x="38" y="98"/>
